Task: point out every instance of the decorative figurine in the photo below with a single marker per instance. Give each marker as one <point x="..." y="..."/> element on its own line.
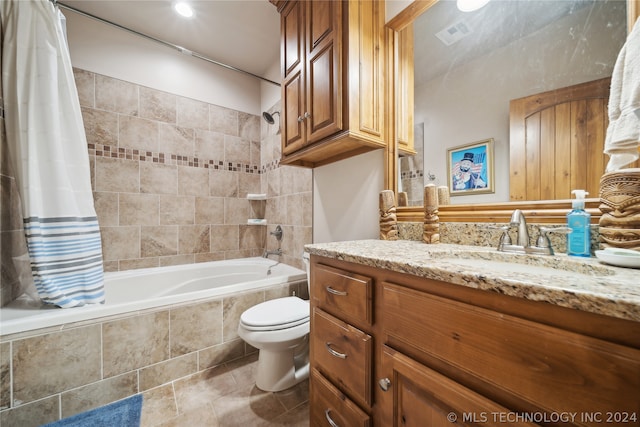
<point x="388" y="219"/>
<point x="431" y="229"/>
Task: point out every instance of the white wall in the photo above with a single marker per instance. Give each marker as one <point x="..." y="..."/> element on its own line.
<point x="103" y="49"/>
<point x="345" y="198"/>
<point x="270" y="93"/>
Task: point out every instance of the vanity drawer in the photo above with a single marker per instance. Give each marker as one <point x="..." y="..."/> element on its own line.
<point x="343" y="354"/>
<point x="343" y="293"/>
<point x="327" y="402"/>
<point x="552" y="369"/>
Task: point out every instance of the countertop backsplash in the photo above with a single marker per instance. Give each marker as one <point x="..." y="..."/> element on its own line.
<point x="482" y="234"/>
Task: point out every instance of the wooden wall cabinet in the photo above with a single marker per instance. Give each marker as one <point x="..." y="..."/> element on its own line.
<point x="333" y="86"/>
<point x="436" y="354"/>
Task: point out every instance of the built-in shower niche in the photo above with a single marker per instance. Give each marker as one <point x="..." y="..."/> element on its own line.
<point x="257" y="204"/>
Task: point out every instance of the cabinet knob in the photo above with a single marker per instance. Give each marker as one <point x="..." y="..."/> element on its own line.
<point x="328" y="417"/>
<point x="300" y="119"/>
<point x="307" y="115"/>
<point x="384" y="383"/>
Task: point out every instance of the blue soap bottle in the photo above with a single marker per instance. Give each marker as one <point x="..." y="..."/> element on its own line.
<point x="579" y="221"/>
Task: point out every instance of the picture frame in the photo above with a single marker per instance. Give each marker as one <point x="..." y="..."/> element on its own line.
<point x="470" y="168"/>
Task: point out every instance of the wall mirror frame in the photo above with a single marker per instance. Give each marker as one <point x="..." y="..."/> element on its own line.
<point x="544" y="211"/>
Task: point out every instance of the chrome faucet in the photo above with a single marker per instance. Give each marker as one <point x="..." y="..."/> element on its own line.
<point x="543" y="244"/>
<point x="518" y="220"/>
<point x="278" y="235"/>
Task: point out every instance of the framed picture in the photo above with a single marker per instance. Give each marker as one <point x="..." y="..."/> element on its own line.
<point x="470" y="168"/>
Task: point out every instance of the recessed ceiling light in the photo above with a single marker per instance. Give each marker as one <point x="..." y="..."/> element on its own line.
<point x="470" y="5"/>
<point x="183" y="9"/>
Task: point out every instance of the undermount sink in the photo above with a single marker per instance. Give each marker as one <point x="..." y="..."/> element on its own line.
<point x="498" y="262"/>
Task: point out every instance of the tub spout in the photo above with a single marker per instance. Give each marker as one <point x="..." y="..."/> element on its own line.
<point x="276" y="252"/>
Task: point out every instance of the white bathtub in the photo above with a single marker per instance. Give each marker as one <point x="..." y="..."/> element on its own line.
<point x="134" y="290"/>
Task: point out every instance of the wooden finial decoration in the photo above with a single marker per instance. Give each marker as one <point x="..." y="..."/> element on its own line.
<point x="403" y="199"/>
<point x="388" y="219"/>
<point x="443" y="195"/>
<point x="431" y="229"/>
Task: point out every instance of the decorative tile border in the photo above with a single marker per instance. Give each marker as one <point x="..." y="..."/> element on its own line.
<point x="107" y="151"/>
<point x="412" y="174"/>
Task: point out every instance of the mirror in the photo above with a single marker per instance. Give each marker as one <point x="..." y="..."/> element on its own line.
<point x="538" y="42"/>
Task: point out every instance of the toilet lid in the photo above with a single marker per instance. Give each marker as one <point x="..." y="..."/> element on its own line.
<point x="277" y="313"/>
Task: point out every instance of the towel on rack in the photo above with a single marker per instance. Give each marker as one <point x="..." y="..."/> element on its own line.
<point x="623" y="134"/>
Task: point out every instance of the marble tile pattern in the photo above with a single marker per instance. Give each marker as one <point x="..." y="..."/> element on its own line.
<point x="186" y="360"/>
<point x="171" y="174"/>
<point x="577" y="283"/>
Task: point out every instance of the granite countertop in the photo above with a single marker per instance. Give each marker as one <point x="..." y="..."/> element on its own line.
<point x="580" y="283"/>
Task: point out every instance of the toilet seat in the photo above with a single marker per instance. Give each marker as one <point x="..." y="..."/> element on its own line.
<point x="276" y="314"/>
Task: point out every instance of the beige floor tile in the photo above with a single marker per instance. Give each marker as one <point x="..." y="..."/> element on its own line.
<point x="226" y="396"/>
<point x="297" y="417"/>
<point x="200" y="417"/>
<point x="247" y="407"/>
<point x="203" y="388"/>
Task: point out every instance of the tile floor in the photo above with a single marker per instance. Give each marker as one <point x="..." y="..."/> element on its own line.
<point x="225" y="396"/>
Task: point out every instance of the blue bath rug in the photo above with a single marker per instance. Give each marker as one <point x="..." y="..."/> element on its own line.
<point x="123" y="413"/>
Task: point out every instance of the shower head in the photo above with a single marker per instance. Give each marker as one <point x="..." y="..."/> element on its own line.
<point x="269" y="118"/>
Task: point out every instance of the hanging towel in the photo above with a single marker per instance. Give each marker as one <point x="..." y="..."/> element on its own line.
<point x="48" y="150"/>
<point x="623" y="134"/>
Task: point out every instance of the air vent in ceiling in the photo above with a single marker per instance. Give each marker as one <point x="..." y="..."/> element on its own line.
<point x="454" y="33"/>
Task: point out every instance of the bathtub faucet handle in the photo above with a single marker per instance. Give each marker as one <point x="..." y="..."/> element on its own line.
<point x="277" y="233"/>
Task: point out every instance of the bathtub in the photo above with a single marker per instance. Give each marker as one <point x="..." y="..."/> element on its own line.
<point x="135" y="290"/>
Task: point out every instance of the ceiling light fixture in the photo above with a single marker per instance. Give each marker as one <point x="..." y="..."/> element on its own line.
<point x="183" y="9"/>
<point x="470" y="5"/>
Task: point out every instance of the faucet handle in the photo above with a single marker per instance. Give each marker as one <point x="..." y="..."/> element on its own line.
<point x="505" y="238"/>
<point x="543" y="238"/>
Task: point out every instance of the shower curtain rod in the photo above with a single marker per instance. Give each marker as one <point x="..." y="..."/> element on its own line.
<point x="165" y="43"/>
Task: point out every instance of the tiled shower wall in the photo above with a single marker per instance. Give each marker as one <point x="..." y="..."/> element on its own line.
<point x="171" y="175"/>
<point x="170" y="178"/>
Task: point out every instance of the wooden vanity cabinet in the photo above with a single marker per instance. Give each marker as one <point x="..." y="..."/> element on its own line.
<point x="341" y="346"/>
<point x="332" y="62"/>
<point x="446" y="354"/>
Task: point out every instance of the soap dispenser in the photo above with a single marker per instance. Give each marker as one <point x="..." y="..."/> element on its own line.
<point x="579" y="221"/>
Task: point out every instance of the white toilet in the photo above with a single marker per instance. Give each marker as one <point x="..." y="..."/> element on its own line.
<point x="279" y="329"/>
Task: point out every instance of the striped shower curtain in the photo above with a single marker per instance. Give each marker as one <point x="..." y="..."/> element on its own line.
<point x="48" y="150"/>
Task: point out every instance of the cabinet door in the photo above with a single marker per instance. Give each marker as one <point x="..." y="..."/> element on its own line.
<point x="293" y="132"/>
<point x="423" y="398"/>
<point x="518" y="360"/>
<point x="323" y="115"/>
<point x="292" y="48"/>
